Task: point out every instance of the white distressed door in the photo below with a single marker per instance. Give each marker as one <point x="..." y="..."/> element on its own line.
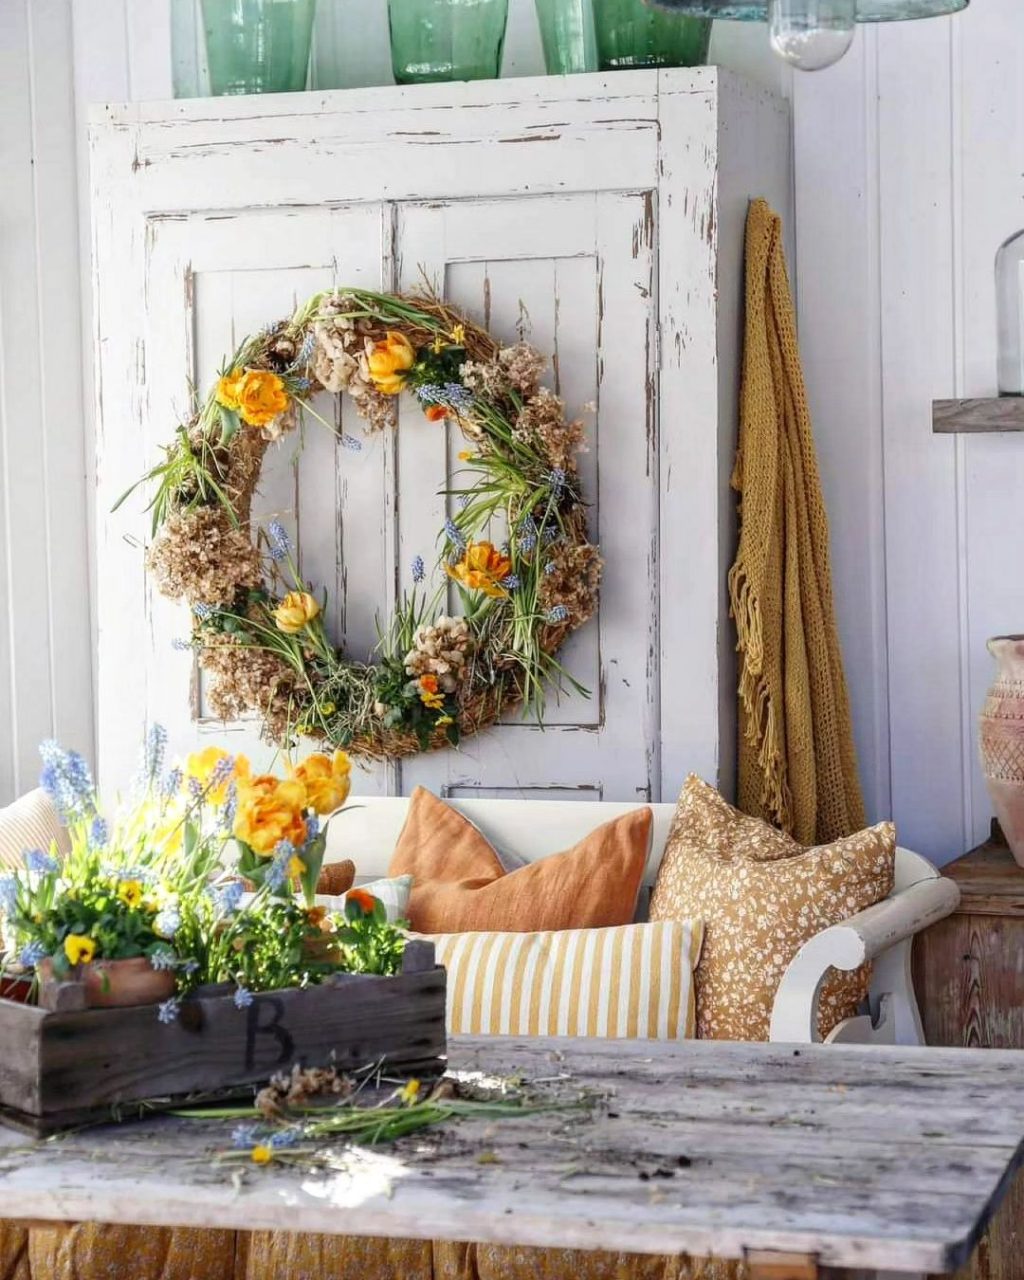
<point x="573" y="274"/>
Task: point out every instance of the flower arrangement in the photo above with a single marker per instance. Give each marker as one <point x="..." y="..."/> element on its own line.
<point x="207" y="874"/>
<point x="258" y="626"/>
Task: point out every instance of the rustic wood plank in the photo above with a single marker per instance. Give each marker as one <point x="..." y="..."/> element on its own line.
<point x="990" y="880"/>
<point x="61" y="1063"/>
<point x="888" y="1158"/>
<point x="997" y="413"/>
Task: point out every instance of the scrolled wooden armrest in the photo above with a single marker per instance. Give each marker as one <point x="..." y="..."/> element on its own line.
<point x="863" y="937"/>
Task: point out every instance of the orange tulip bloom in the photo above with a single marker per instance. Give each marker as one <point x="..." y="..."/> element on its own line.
<point x="482" y="568"/>
<point x="365" y="901"/>
<point x="388" y="363"/>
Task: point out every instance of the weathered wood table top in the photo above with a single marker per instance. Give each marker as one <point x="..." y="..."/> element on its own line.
<point x="862" y="1158"/>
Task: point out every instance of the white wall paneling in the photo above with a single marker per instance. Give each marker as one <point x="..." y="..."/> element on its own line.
<point x="45" y="666"/>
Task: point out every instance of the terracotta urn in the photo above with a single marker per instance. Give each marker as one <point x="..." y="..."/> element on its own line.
<point x="1001" y="739"/>
<point x="112" y="984"/>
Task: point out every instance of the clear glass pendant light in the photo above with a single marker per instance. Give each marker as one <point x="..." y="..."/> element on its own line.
<point x="811" y="34"/>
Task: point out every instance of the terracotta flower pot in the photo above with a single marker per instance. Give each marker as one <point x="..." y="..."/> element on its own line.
<point x="1001" y="738"/>
<point x="113" y="984"/>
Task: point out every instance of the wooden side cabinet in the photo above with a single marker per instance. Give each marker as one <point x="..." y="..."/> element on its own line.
<point x="969" y="977"/>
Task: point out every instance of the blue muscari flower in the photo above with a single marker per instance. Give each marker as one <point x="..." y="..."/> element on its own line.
<point x="312" y="827"/>
<point x="352" y="443"/>
<point x="32" y="953"/>
<point x="280" y="543"/>
<point x="195" y="788"/>
<point x="228" y="897"/>
<point x="153" y="752"/>
<point x="242" y="998"/>
<point x="229" y="807"/>
<point x="42" y="863"/>
<point x="452" y="395"/>
<point x="8" y="894"/>
<point x="557" y="613"/>
<point x="169" y="1010"/>
<point x="170" y="783"/>
<point x="304" y="354"/>
<point x="180" y="644"/>
<point x="430" y="393"/>
<point x="527" y="533"/>
<point x="454" y="534"/>
<point x="557" y="479"/>
<point x="285" y="1137"/>
<point x="244" y="1136"/>
<point x="463" y="501"/>
<point x="419" y="569"/>
<point x="203" y="611"/>
<point x="551" y="535"/>
<point x="162" y="958"/>
<point x="510" y="582"/>
<point x="549" y="567"/>
<point x="167" y="922"/>
<point x="99" y="832"/>
<point x="66" y="779"/>
<point x="222" y="770"/>
<point x="278" y="869"/>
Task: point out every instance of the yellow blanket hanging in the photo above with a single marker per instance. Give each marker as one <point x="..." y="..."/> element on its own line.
<point x="797" y="765"/>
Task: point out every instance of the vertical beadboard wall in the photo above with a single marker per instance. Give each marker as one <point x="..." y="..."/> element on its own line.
<point x="45" y="633"/>
<point x="909" y="175"/>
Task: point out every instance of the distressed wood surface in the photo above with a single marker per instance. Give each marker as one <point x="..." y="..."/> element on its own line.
<point x="997" y="413"/>
<point x="56" y="1068"/>
<point x="969" y="975"/>
<point x="990" y="880"/>
<point x="886" y="1157"/>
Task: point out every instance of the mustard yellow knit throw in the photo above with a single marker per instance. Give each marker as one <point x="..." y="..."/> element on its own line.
<point x="797" y="765"/>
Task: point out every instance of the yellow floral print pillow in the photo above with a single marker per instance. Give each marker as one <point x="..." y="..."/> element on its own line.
<point x="761" y="897"/>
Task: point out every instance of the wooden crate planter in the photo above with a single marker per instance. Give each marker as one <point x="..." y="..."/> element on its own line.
<point x="65" y="1068"/>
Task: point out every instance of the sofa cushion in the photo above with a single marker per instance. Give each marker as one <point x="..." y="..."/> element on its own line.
<point x="632" y="981"/>
<point x="761" y="897"/>
<point x="30" y="822"/>
<point x="459" y="882"/>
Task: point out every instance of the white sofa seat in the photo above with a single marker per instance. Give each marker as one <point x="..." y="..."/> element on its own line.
<point x="532" y="829"/>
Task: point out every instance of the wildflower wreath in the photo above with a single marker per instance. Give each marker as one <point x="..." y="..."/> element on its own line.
<point x="258" y="627"/>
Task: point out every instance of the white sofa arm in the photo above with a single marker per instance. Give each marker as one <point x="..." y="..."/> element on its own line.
<point x="877" y="932"/>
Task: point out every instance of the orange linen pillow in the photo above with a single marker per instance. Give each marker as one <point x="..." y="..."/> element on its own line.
<point x="459" y="884"/>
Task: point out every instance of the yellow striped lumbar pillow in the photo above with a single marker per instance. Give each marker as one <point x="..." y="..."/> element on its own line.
<point x="633" y="981"/>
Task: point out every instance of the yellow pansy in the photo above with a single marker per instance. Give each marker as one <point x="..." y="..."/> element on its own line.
<point x="79" y="949"/>
<point x="270" y="811"/>
<point x="227" y="390"/>
<point x="295" y="611"/>
<point x="261" y="397"/>
<point x="130" y="893"/>
<point x="201" y="765"/>
<point x="388" y="362"/>
<point x="482" y="568"/>
<point x="327" y="780"/>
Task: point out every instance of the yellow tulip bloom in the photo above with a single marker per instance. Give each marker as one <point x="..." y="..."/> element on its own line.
<point x="270" y="811"/>
<point x="227" y="393"/>
<point x="261" y="397"/>
<point x="482" y="568"/>
<point x="327" y="780"/>
<point x="202" y="765"/>
<point x="388" y="363"/>
<point x="295" y="612"/>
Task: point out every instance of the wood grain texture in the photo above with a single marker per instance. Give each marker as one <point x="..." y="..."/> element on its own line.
<point x="969" y="975"/>
<point x="55" y="1063"/>
<point x="889" y="1158"/>
<point x="997" y="413"/>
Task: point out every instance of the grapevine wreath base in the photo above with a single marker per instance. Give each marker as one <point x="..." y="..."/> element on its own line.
<point x="258" y="627"/>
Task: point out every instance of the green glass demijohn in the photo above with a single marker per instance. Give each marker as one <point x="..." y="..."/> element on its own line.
<point x="446" y="39"/>
<point x="632" y="34"/>
<point x="257" y="46"/>
<point x="568" y="35"/>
